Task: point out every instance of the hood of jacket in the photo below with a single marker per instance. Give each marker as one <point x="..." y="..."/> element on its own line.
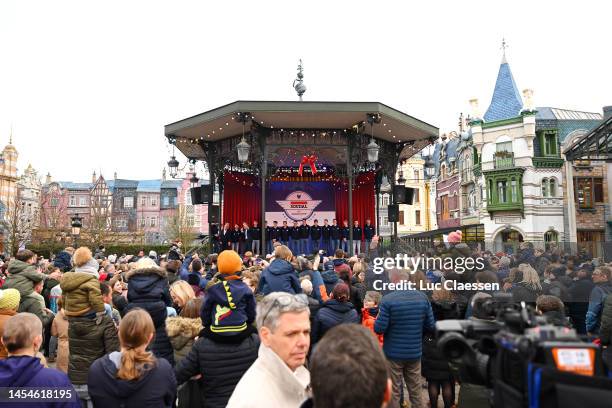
<point x="340" y="307"/>
<point x="143" y="281"/>
<point x="329" y="276"/>
<point x="121" y="389"/>
<point x="369" y="312"/>
<point x="91" y="267"/>
<point x="16" y="266"/>
<point x="18" y="371"/>
<point x="338" y="262"/>
<point x="73" y="280"/>
<point x="280" y="267"/>
<point x="183" y="326"/>
<point x="222" y="292"/>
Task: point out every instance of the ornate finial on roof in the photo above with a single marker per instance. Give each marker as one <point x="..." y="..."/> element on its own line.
<point x="298" y="83"/>
<point x="503" y="48"/>
<point x="11" y="136"/>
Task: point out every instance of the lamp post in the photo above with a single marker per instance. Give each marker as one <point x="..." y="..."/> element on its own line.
<point x="77" y="223"/>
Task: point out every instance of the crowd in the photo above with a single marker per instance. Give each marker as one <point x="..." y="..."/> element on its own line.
<point x="301" y="238"/>
<point x="285" y="331"/>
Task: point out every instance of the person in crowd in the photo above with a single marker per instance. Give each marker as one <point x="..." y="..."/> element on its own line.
<point x="315" y="236"/>
<point x="237" y="238"/>
<point x="52" y="281"/>
<point x="605" y="331"/>
<point x="326" y="236"/>
<point x="344" y="236"/>
<point x="214" y="236"/>
<point x="22" y="338"/>
<point x="294" y="238"/>
<point x="368" y="233"/>
<point x="313" y="304"/>
<point x="362" y="357"/>
<point x="402" y="318"/>
<point x="435" y="366"/>
<point x="248" y="237"/>
<point x="355" y="293"/>
<point x="132" y="376"/>
<point x="9" y="302"/>
<point x="184" y="328"/>
<point x="337" y="310"/>
<point x="553" y="309"/>
<point x="370" y="312"/>
<point x="107" y="298"/>
<point x="334" y="232"/>
<point x="81" y="288"/>
<point x="148" y="289"/>
<point x="63" y="260"/>
<point x="229" y="306"/>
<point x="251" y="279"/>
<point x="181" y="293"/>
<point x="357" y="237"/>
<point x="285" y="233"/>
<point x="552" y="285"/>
<point x="601" y="289"/>
<point x="529" y="288"/>
<point x="503" y="268"/>
<point x="225" y="237"/>
<point x="256" y="234"/>
<point x="310" y="269"/>
<point x="304" y="235"/>
<point x="59" y="329"/>
<point x="194" y="283"/>
<point x="275" y="235"/>
<point x="278" y="377"/>
<point x="119" y="293"/>
<point x="579" y="292"/>
<point x="280" y="275"/>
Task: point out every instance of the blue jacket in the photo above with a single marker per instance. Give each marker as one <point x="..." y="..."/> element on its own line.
<point x="596" y="301"/>
<point x="184" y="271"/>
<point x="25" y="371"/>
<point x="402" y="318"/>
<point x="317" y="283"/>
<point x="330" y="279"/>
<point x="62" y="261"/>
<point x="279" y="277"/>
<point x="229" y="306"/>
<point x="331" y="314"/>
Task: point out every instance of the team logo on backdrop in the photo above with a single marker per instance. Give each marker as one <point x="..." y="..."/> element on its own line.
<point x="298" y="205"/>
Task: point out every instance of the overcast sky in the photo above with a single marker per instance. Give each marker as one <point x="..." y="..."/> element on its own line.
<point x="89" y="85"/>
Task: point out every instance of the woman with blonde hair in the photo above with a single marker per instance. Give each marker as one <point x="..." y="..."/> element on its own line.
<point x="181" y="292"/>
<point x="132" y="377"/>
<point x="529" y="288"/>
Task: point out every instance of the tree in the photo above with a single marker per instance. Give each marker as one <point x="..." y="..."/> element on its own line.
<point x="17" y="224"/>
<point x="180" y="226"/>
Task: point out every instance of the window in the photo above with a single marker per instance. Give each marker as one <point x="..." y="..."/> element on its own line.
<point x="514" y="191"/>
<point x="416" y="195"/>
<point x="385" y="200"/>
<point x="444" y="207"/>
<point x="501" y="192"/>
<point x="443" y="171"/>
<point x="142" y="222"/>
<point x="128" y="202"/>
<point x="550" y="144"/>
<point x="165" y="201"/>
<point x="401" y="218"/>
<point x="143" y="201"/>
<point x="504" y="147"/>
<point x="549" y="187"/>
<point x="589" y="190"/>
<point x="551" y="237"/>
<point x="54" y="202"/>
<point x="417" y="217"/>
<point x="471" y="199"/>
<point x="416" y="176"/>
<point x="175" y="201"/>
<point x="82" y="201"/>
<point x="73" y="201"/>
<point x="153" y="221"/>
<point x="385" y="220"/>
<point x="153" y="202"/>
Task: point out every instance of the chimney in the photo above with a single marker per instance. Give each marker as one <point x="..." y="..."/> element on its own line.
<point x="474" y="108"/>
<point x="48" y="179"/>
<point x="528" y="100"/>
<point x="607" y="112"/>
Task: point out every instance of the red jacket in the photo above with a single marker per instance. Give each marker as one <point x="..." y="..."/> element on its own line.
<point x="367" y="320"/>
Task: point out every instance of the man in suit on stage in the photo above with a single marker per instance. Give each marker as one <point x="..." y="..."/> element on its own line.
<point x="326" y="234"/>
<point x="368" y="233"/>
<point x="315" y="236"/>
<point x="256" y="234"/>
<point x="295" y="238"/>
<point x="304" y="235"/>
<point x="284" y="234"/>
<point x="334" y="232"/>
<point x="344" y="236"/>
<point x="225" y="236"/>
<point x="357" y="232"/>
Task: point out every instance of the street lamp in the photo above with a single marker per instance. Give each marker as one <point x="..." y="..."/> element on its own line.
<point x="194" y="180"/>
<point x="243" y="147"/>
<point x="77" y="223"/>
<point x="373" y="148"/>
<point x="173" y="166"/>
<point x="430" y="167"/>
<point x="401" y="180"/>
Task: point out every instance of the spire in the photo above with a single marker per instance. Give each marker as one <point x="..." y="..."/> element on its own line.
<point x="506" y="102"/>
<point x="11" y="136"/>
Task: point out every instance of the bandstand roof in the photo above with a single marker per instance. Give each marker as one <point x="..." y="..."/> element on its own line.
<point x="219" y="124"/>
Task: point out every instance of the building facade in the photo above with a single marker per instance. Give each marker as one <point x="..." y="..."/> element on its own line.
<point x="447" y="181"/>
<point x="412" y="217"/>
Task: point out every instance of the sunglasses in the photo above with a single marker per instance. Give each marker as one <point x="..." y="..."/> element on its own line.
<point x="284" y="301"/>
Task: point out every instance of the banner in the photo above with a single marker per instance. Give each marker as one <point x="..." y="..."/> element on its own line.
<point x="297" y="201"/>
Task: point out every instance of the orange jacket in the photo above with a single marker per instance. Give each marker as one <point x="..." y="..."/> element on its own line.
<point x="368" y="320"/>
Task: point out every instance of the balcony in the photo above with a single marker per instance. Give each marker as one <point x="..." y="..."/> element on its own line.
<point x="547" y="162"/>
<point x="503" y="160"/>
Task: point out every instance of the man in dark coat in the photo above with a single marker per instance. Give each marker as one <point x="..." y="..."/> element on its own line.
<point x="579" y="293"/>
<point x="148" y="289"/>
<point x="304" y="235"/>
<point x="280" y="275"/>
<point x="334" y="232"/>
<point x="247" y="232"/>
<point x="315" y="235"/>
<point x="357" y="236"/>
<point x="326" y="235"/>
<point x="294" y="243"/>
<point x="284" y="234"/>
<point x="603" y="288"/>
<point x="368" y="233"/>
<point x="225" y="237"/>
<point x="344" y="236"/>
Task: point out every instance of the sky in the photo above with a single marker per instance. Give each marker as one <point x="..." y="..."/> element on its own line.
<point x="89" y="85"/>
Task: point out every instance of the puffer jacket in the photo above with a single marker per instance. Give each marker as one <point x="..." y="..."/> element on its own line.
<point x="605" y="331"/>
<point x="279" y="277"/>
<point x="81" y="294"/>
<point x="88" y="341"/>
<point x="63" y="261"/>
<point x="330" y="279"/>
<point x="221" y="365"/>
<point x="22" y="276"/>
<point x="182" y="331"/>
<point x="148" y="289"/>
<point x="331" y="314"/>
<point x="433" y="365"/>
<point x="403" y="316"/>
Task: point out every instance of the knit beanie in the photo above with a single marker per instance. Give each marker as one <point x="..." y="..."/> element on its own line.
<point x="90" y="267"/>
<point x="229" y="262"/>
<point x="81" y="256"/>
<point x="9" y="299"/>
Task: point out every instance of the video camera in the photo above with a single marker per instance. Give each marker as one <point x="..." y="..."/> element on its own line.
<point x="522" y="358"/>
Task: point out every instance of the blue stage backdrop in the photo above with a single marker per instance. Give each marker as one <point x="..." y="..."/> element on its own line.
<point x="295" y="201"/>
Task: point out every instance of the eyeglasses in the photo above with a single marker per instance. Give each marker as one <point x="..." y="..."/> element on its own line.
<point x="285" y="300"/>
